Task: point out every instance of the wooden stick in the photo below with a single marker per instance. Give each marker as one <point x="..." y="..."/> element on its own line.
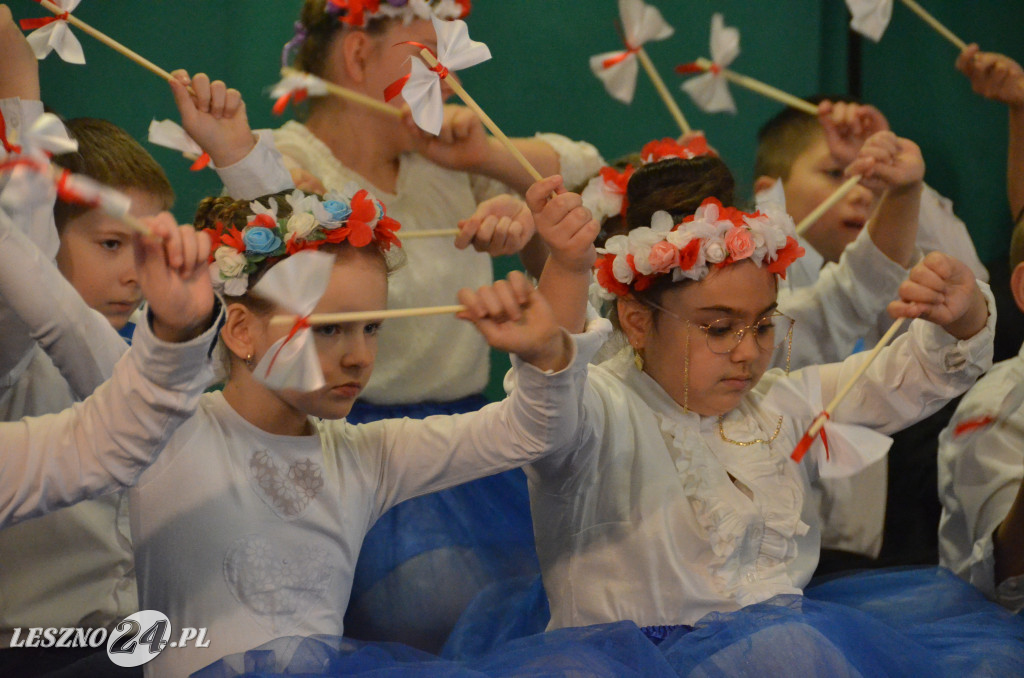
<point x="488" y="123"/>
<point x="360" y="316"/>
<point x="108" y="41"/>
<point x="827" y="204"/>
<point x="886" y="338"/>
<point x="666" y="96"/>
<point x="348" y="94"/>
<point x="429" y="233"/>
<point x="762" y="88"/>
<point x="934" y="23"/>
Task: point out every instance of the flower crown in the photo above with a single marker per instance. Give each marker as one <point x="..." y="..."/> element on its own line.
<point x="605" y="194"/>
<point x="714" y="236"/>
<point x="359" y="12"/>
<point x="235" y="254"/>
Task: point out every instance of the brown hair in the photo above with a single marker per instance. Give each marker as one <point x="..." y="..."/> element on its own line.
<point x="781" y="140"/>
<point x="321" y="27"/>
<point x="230" y="212"/>
<point x="111" y="156"/>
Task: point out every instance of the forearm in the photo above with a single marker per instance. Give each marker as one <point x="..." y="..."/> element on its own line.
<point x="1015" y="162"/>
<point x="566" y="292"/>
<point x="533" y="256"/>
<point x="502" y="165"/>
<point x="893" y="229"/>
<point x="1008" y="541"/>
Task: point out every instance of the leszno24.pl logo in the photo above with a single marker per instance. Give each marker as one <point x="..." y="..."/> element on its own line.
<point x="136" y="639"/>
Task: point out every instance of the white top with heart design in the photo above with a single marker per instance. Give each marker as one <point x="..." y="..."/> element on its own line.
<point x="255" y="536"/>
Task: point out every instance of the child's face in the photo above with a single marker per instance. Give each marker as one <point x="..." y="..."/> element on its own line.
<point x="814" y="176"/>
<point x="97" y="258"/>
<point x="347" y="351"/>
<point x="742" y="293"/>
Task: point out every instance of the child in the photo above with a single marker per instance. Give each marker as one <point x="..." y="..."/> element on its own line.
<point x="94" y="447"/>
<point x="679" y="497"/>
<point x="251" y="523"/>
<point x="425" y="182"/>
<point x="981" y="465"/>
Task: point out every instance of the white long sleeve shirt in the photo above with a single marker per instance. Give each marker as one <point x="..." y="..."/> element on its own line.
<point x="641" y="519"/>
<point x="980" y="473"/>
<point x="448" y="357"/>
<point x="256" y="536"/>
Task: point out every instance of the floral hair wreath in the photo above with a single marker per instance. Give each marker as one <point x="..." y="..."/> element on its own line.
<point x="713" y="236"/>
<point x="359" y="12"/>
<point x="359" y="220"/>
<point x="605" y="194"/>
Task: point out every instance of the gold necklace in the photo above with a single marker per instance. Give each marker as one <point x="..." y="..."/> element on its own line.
<point x="757" y="441"/>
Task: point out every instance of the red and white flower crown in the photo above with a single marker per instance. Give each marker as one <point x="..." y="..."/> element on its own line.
<point x="715" y="236"/>
<point x="354" y="216"/>
<point x="359" y="12"/>
<point x="605" y="194"/>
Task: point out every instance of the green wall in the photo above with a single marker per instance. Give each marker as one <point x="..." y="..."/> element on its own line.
<point x="539" y="79"/>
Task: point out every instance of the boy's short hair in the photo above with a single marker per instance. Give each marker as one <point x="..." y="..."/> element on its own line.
<point x="781" y="140"/>
<point x="111" y="156"/>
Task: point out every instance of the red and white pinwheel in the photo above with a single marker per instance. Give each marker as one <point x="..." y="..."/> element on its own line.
<point x="710" y="91"/>
<point x="641" y="24"/>
<point x="53" y="34"/>
<point x="294" y="88"/>
<point x="170" y="134"/>
<point x="422" y="87"/>
<point x="296" y="285"/>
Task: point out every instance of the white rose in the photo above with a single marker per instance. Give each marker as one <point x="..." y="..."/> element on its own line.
<point x="661" y="221"/>
<point x="679" y="239"/>
<point x="236" y="287"/>
<point x="230" y="263"/>
<point x="301" y="225"/>
<point x="621" y="270"/>
<point x="617" y="245"/>
<point x="715" y="251"/>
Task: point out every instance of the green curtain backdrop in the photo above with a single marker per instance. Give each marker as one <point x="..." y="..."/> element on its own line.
<point x="539" y="80"/>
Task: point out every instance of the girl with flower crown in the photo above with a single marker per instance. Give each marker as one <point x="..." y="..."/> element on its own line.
<point x="679" y="497"/>
<point x="426" y="183"/>
<point x="251" y="521"/>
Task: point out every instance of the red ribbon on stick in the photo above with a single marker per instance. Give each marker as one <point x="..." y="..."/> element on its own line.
<point x="300" y="324"/>
<point x="395" y="88"/>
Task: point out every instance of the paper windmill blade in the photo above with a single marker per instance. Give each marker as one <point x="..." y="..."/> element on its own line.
<point x="641" y="24"/>
<point x="296" y="285"/>
<point x="81" y="190"/>
<point x="422" y="87"/>
<point x="710" y="91"/>
<point x="170" y="134"/>
<point x="870" y="18"/>
<point x="53" y="34"/>
<point x="295" y="88"/>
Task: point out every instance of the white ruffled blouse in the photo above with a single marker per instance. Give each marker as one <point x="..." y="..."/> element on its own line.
<point x="655" y="517"/>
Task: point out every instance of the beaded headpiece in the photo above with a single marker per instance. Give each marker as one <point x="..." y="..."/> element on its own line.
<point x="715" y="236"/>
<point x="605" y="194"/>
<point x="354" y="217"/>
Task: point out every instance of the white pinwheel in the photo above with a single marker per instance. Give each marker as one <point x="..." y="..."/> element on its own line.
<point x="54" y="35"/>
<point x="710" y="91"/>
<point x="641" y="24"/>
<point x="870" y="18"/>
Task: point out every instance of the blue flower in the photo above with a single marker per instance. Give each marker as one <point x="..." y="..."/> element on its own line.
<point x="339" y="210"/>
<point x="260" y="240"/>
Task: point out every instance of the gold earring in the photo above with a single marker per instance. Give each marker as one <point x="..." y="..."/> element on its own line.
<point x="249" y="360"/>
<point x="638" y="359"/>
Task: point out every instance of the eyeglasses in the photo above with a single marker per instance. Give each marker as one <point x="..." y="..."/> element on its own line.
<point x="725" y="334"/>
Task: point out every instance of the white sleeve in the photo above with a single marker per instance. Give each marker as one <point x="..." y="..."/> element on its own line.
<point x="542" y="415"/>
<point x="578" y="161"/>
<point x="980" y="474"/>
<point x="80" y="341"/>
<point x="911" y="378"/>
<point x="259" y="173"/>
<point x="842" y="306"/>
<point x="106" y="441"/>
<point x="939" y="230"/>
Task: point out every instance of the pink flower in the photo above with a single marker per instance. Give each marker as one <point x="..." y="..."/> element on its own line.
<point x="739" y="243"/>
<point x="663" y="257"/>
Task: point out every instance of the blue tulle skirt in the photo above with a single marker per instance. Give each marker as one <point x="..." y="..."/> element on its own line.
<point x="426" y="559"/>
<point x="918" y="622"/>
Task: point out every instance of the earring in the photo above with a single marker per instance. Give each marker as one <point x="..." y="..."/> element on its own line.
<point x="638" y="359"/>
<point x="249" y="360"/>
